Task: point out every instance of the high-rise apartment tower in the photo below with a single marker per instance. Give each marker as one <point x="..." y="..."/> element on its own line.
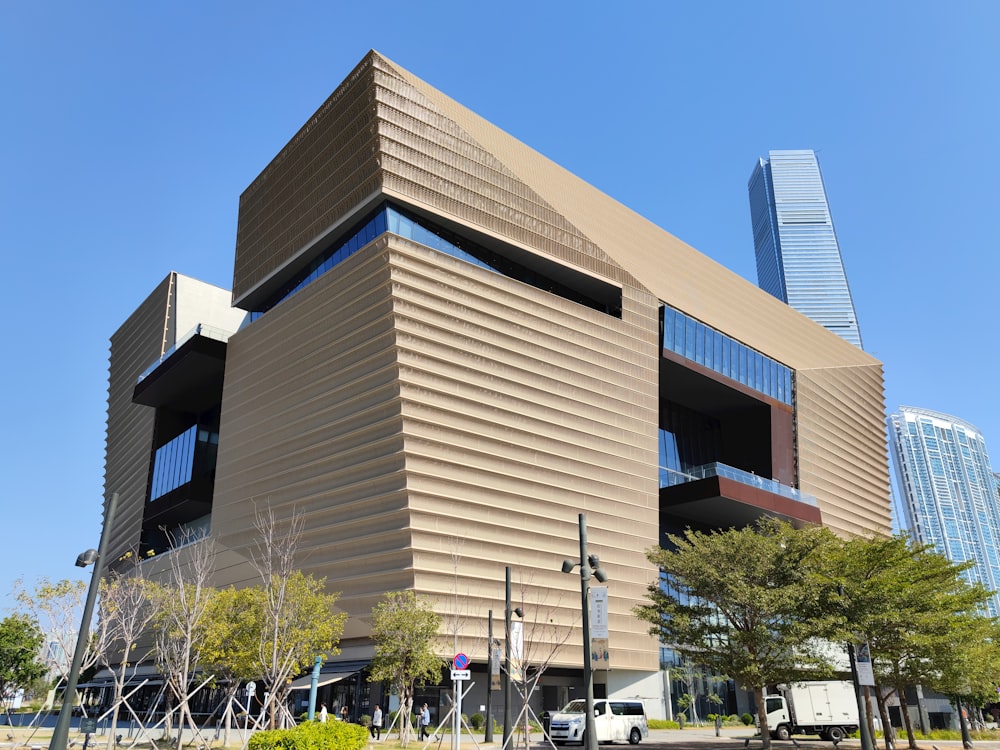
<point x="949" y="492"/>
<point x="798" y="257"/>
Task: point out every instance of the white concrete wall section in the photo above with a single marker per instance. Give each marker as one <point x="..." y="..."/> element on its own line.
<point x="198" y="302"/>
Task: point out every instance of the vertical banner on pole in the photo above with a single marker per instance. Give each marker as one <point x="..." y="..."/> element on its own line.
<point x="863" y="663"/>
<point x="495" y="658"/>
<point x="599" y="626"/>
<point x="517" y="650"/>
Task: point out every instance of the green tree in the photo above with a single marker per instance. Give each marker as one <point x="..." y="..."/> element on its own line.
<point x="405" y="628"/>
<point x="743" y="602"/>
<point x="20" y="643"/>
<point x="299" y="623"/>
<point x="920" y="617"/>
<point x="233" y="629"/>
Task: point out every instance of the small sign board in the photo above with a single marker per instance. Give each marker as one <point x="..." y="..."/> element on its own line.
<point x="461" y="674"/>
<point x="495" y="668"/>
<point x="461" y="661"/>
<point x="88" y="726"/>
<point x="863" y="665"/>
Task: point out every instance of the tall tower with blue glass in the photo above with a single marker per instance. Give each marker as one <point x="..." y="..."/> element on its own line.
<point x="798" y="257"/>
<point x="948" y="492"/>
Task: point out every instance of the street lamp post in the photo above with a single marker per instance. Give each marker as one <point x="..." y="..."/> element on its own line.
<point x="507" y="724"/>
<point x="60" y="734"/>
<point x="489" y="686"/>
<point x="590" y="567"/>
<point x="866" y="738"/>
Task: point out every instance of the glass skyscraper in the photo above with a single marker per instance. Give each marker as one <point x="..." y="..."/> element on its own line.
<point x="798" y="258"/>
<point x="948" y="491"/>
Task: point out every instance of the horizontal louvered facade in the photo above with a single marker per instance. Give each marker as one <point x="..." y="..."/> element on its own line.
<point x="434" y="419"/>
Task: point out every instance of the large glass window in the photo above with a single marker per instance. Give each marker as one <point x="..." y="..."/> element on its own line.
<point x="173" y="464"/>
<point x="389" y="218"/>
<point x="176" y="461"/>
<point x="715" y="350"/>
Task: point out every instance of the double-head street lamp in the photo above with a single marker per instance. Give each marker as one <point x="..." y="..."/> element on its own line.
<point x="590" y="567"/>
<point x="60" y="734"/>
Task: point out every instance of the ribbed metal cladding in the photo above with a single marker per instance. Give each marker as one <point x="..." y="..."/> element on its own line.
<point x="128" y="448"/>
<point x="698" y="286"/>
<point x="328" y="168"/>
<point x="378" y="133"/>
<point x="427" y="158"/>
<point x="311" y="424"/>
<point x="434" y="422"/>
<point x="847" y="477"/>
<point x="521" y="410"/>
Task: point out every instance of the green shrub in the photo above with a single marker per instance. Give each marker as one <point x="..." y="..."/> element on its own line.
<point x="477" y="721"/>
<point x="732" y="719"/>
<point x="747" y="719"/>
<point x="663" y="724"/>
<point x="335" y="735"/>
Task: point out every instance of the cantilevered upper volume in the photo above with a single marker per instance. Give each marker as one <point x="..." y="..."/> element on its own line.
<point x="455" y="347"/>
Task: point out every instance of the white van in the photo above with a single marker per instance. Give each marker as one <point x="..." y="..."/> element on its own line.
<point x="615" y="721"/>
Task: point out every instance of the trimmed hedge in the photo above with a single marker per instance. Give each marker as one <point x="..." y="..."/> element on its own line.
<point x="311" y="735"/>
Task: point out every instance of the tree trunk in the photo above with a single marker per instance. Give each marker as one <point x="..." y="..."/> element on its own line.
<point x="117" y="697"/>
<point x="405" y="709"/>
<point x="871" y="715"/>
<point x="904" y="709"/>
<point x="765" y="733"/>
<point x="888" y="735"/>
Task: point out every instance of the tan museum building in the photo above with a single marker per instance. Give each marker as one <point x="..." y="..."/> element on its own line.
<point x="440" y="347"/>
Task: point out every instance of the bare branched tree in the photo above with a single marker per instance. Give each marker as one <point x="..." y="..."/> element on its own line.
<point x="542" y="641"/>
<point x="180" y="610"/>
<point x="299" y="621"/>
<point x="125" y="612"/>
<point x="57" y="608"/>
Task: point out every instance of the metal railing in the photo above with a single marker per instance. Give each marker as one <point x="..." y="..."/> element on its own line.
<point x="670" y="477"/>
<point x="210" y="332"/>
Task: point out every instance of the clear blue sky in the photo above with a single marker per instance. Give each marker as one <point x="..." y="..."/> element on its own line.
<point x="129" y="129"/>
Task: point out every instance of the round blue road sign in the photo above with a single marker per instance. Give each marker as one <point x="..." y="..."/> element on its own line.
<point x="461" y="661"/>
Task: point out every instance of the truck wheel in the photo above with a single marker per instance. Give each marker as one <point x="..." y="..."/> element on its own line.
<point x="634" y="736"/>
<point x="835" y="734"/>
<point x="783" y="733"/>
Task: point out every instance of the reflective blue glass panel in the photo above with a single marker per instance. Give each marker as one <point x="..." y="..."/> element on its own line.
<point x="715" y="350"/>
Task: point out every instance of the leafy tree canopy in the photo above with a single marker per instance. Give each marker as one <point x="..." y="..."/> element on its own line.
<point x="405" y="628"/>
<point x="743" y="602"/>
<point x="20" y="644"/>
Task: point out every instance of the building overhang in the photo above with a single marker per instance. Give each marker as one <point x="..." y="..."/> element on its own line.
<point x="720" y="502"/>
<point x="191" y="500"/>
<point x="188" y="379"/>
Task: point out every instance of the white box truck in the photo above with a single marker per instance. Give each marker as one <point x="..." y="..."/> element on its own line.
<point x="829" y="709"/>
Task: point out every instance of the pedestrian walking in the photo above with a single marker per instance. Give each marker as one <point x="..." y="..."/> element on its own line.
<point x="425" y="721"/>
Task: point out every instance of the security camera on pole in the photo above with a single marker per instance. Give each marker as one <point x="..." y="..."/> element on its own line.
<point x="590" y="567"/>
